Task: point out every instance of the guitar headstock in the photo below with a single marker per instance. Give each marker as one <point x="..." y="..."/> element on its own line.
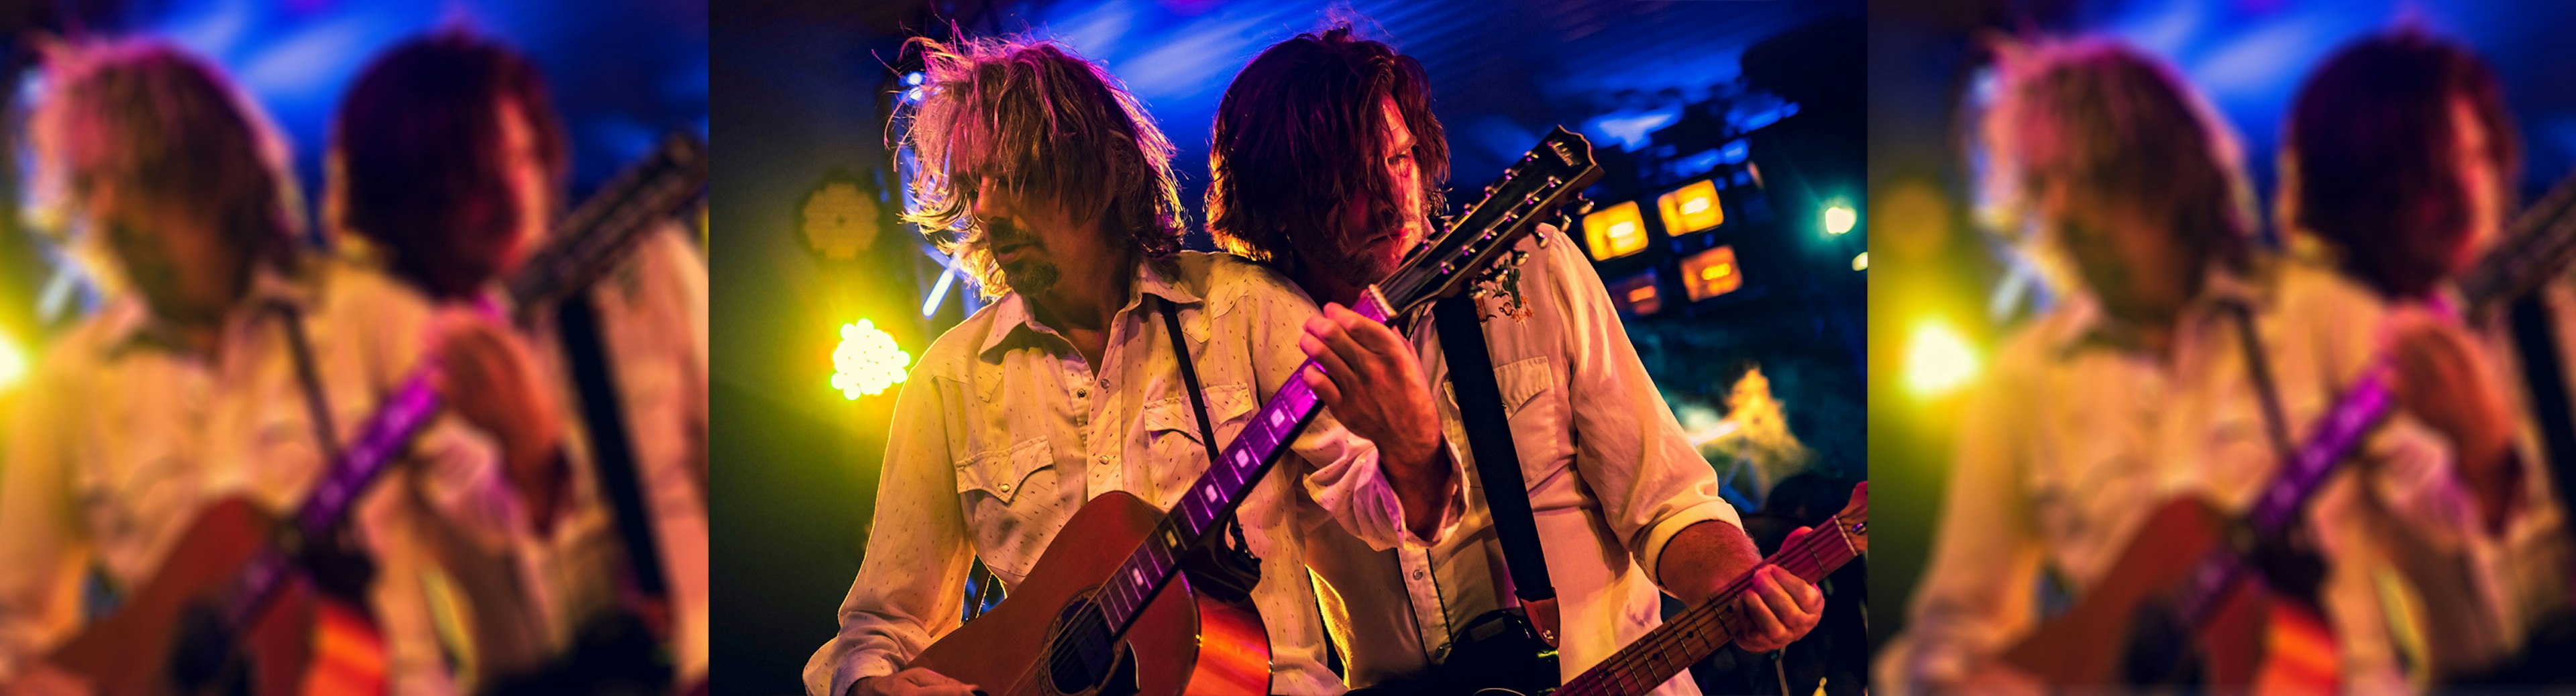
<point x="1478" y="244"/>
<point x="1853" y="522"/>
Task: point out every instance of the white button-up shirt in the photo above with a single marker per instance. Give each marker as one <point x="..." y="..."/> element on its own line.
<point x="2074" y="437"/>
<point x="1002" y="432"/>
<point x="121" y="439"/>
<point x="1611" y="478"/>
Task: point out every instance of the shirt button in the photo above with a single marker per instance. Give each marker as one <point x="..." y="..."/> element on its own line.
<point x="1082" y="393"/>
<point x="1006" y="488"/>
<point x="1417" y="575"/>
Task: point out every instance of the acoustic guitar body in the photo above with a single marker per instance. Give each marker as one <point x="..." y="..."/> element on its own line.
<point x="1032" y="644"/>
<point x="2252" y="642"/>
<point x="297" y="642"/>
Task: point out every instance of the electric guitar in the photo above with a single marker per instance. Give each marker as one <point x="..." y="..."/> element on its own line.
<point x="1108" y="609"/>
<point x="235" y="605"/>
<point x="2194" y="573"/>
<point x="1699" y="631"/>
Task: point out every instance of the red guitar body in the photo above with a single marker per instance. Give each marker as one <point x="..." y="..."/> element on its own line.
<point x="298" y="642"/>
<point x="1182" y="642"/>
<point x="2253" y="642"/>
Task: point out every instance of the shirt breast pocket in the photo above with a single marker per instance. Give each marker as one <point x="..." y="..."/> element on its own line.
<point x="1177" y="457"/>
<point x="1536" y="411"/>
<point x="1012" y="500"/>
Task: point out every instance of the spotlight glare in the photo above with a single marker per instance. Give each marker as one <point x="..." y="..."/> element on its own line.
<point x="1839" y="219"/>
<point x="1937" y="359"/>
<point x="867" y="361"/>
<point x="1861" y="262"/>
<point x="13" y="362"/>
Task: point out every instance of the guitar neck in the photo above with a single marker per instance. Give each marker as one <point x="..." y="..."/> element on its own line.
<point x="1218" y="491"/>
<point x="1700" y="630"/>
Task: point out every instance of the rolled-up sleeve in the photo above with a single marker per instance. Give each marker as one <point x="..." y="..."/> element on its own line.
<point x="1651" y="481"/>
<point x="909" y="582"/>
<point x="1342" y="473"/>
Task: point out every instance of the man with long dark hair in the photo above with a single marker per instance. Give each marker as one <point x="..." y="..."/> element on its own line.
<point x="2400" y="158"/>
<point x="1328" y="165"/>
<point x="1055" y="191"/>
<point x="448" y="161"/>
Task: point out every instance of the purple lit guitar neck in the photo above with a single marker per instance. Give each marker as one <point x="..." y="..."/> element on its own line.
<point x="1227" y="480"/>
<point x="2540" y="243"/>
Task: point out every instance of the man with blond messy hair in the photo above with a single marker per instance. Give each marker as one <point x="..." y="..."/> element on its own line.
<point x="1055" y="189"/>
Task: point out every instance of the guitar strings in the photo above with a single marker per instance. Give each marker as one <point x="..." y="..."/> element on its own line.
<point x="1801" y="558"/>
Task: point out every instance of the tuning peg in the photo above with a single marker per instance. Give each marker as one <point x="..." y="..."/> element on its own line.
<point x="1582" y="205"/>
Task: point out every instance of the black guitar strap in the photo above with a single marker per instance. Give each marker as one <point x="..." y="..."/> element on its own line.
<point x="2544" y="380"/>
<point x="612" y="453"/>
<point x="1198" y="407"/>
<point x="1489" y="438"/>
<point x="336" y="565"/>
<point x="310" y="379"/>
<point x="2276" y="422"/>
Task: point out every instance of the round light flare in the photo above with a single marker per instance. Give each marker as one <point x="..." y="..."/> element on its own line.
<point x="1861" y="262"/>
<point x="1937" y="359"/>
<point x="1840" y="219"/>
<point x="13" y="362"/>
<point x="867" y="361"/>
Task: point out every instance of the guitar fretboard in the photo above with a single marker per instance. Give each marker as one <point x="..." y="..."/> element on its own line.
<point x="1702" y="629"/>
<point x="1227" y="480"/>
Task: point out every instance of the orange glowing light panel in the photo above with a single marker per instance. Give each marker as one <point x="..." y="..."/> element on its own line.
<point x="1615" y="231"/>
<point x="1636" y="294"/>
<point x="1691" y="208"/>
<point x="1712" y="273"/>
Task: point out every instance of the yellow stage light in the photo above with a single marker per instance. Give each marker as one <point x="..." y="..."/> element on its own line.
<point x="1937" y="359"/>
<point x="13" y="362"/>
<point x="1839" y="219"/>
<point x="1691" y="208"/>
<point x="1615" y="231"/>
<point x="867" y="361"/>
<point x="1711" y="273"/>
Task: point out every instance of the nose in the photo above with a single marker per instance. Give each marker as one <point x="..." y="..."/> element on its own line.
<point x="987" y="205"/>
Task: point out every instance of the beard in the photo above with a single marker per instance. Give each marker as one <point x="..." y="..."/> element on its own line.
<point x="1031" y="272"/>
<point x="1363" y="257"/>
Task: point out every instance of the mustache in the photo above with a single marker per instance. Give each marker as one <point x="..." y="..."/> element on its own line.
<point x="1001" y="233"/>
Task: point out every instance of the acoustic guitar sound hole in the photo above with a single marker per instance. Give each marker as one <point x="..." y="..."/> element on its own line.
<point x="1080" y="654"/>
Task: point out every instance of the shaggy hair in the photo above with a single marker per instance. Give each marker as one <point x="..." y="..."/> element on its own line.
<point x="2109" y="120"/>
<point x="2374" y="150"/>
<point x="1296" y="137"/>
<point x="163" y="127"/>
<point x="1031" y="117"/>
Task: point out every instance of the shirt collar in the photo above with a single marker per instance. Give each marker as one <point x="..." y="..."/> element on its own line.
<point x="1011" y="315"/>
<point x="2222" y="290"/>
<point x="131" y="324"/>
